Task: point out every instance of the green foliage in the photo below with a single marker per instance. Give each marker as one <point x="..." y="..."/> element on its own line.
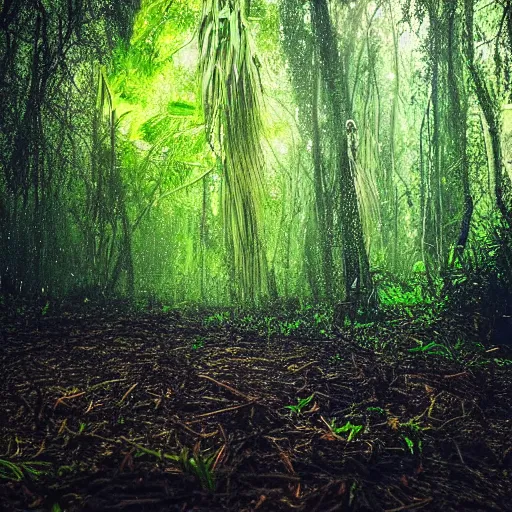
<point x="198" y="343"/>
<point x="301" y="404"/>
<point x="303" y="321"/>
<point x="203" y="469"/>
<point x="198" y="465"/>
<point x="395" y="295"/>
<point x="208" y="195"/>
<point x="217" y="319"/>
<point x="230" y="92"/>
<point x="18" y="471"/>
<point x="412" y="425"/>
<point x="45" y="308"/>
<point x="432" y="348"/>
<point x="289" y="328"/>
<point x="336" y="358"/>
<point x="413" y="445"/>
<point x="353" y="430"/>
<point x="410" y="443"/>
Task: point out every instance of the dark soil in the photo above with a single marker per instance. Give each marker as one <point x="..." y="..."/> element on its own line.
<point x="153" y="412"/>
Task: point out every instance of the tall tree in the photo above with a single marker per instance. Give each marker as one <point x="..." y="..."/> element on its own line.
<point x="335" y="79"/>
<point x="40" y="42"/>
<point x="491" y="109"/>
<point x="230" y="95"/>
<point x="304" y="68"/>
<point x="458" y="114"/>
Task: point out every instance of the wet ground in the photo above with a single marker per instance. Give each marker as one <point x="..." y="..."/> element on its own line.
<point x="157" y="412"/>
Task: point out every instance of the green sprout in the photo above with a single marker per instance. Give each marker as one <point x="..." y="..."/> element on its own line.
<point x="301" y="403"/>
<point x="432" y="348"/>
<point x="411" y="444"/>
<point x="198" y="465"/>
<point x="412" y="425"/>
<point x="353" y="430"/>
<point x="269" y="320"/>
<point x="201" y="467"/>
<point x="216" y="320"/>
<point x="287" y="328"/>
<point x="45" y="308"/>
<point x="198" y="343"/>
<point x="335" y="358"/>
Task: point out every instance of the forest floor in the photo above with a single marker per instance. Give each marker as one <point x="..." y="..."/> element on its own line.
<point x="139" y="411"/>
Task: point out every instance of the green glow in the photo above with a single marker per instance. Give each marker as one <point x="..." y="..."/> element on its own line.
<point x="295" y="152"/>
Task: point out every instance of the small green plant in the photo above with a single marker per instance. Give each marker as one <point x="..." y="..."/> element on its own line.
<point x="353" y="430"/>
<point x="198" y="465"/>
<point x="82" y="427"/>
<point x="395" y="295"/>
<point x="17" y="472"/>
<point x="503" y="362"/>
<point x="301" y="403"/>
<point x="336" y="358"/>
<point x="287" y="328"/>
<point x="249" y="322"/>
<point x="411" y="445"/>
<point x="269" y="327"/>
<point x="322" y="322"/>
<point x="198" y="343"/>
<point x="412" y="426"/>
<point x="432" y="348"/>
<point x="358" y="325"/>
<point x="45" y="308"/>
<point x="217" y="319"/>
<point x="353" y="490"/>
<point x="166" y="309"/>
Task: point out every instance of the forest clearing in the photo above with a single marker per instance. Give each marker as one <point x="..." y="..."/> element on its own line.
<point x="124" y="410"/>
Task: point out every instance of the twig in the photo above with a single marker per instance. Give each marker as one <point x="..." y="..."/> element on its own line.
<point x="220" y="411"/>
<point x="455" y="375"/>
<point x="458" y="451"/>
<point x="295" y="370"/>
<point x="229" y="388"/>
<point x="127" y="393"/>
<point x="60" y="400"/>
